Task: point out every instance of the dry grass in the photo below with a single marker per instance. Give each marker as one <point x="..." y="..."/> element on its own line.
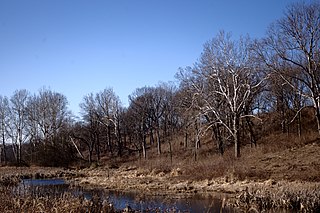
<point x="280" y="157"/>
<point x="12" y="201"/>
<point x="293" y="196"/>
<point x="13" y="175"/>
<point x="277" y="157"/>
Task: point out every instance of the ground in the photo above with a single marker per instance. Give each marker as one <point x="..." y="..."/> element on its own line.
<point x="265" y="176"/>
<point x="279" y="177"/>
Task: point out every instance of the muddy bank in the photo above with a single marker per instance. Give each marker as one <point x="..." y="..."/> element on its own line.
<point x="257" y="195"/>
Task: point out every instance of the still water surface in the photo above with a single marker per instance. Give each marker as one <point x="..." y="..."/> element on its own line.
<point x="120" y="200"/>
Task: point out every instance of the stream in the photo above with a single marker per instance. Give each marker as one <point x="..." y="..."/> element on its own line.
<point x="121" y="200"/>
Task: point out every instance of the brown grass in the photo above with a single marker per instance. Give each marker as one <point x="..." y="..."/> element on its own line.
<point x="277" y="157"/>
<point x="12" y="201"/>
<point x="280" y="157"/>
<point x="292" y="196"/>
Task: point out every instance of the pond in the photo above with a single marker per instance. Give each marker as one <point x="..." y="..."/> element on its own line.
<point x="121" y="200"/>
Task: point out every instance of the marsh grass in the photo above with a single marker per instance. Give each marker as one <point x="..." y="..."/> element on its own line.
<point x="294" y="197"/>
<point x="34" y="201"/>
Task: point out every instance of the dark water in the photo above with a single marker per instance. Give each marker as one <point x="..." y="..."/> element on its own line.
<point x="121" y="200"/>
<point x="43" y="182"/>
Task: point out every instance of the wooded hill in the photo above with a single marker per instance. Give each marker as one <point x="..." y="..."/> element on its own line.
<point x="239" y="92"/>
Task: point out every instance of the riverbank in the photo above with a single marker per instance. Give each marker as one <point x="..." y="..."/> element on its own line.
<point x="277" y="176"/>
<point x="243" y="194"/>
<point x="262" y="179"/>
<point x="267" y="194"/>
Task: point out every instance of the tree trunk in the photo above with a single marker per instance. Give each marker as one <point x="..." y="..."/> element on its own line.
<point x="318" y="118"/>
<point x="170" y="150"/>
<point x="119" y="139"/>
<point x="197" y="138"/>
<point x="151" y="136"/>
<point x="253" y="140"/>
<point x="109" y="139"/>
<point x="4" y="149"/>
<point x="90" y="156"/>
<point x="144" y="146"/>
<point x="299" y="125"/>
<point x="158" y="141"/>
<point x="97" y="147"/>
<point x="186" y="140"/>
<point x="20" y="151"/>
<point x="236" y="136"/>
<point x="186" y="137"/>
<point x="217" y="137"/>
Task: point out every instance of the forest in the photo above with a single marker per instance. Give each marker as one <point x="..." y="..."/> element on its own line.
<point x="239" y="91"/>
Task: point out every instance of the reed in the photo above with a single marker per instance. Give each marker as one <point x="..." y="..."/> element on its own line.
<point x="291" y="197"/>
<point x="24" y="201"/>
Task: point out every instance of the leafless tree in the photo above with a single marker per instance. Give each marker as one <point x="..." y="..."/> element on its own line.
<point x="48" y="111"/>
<point x="47" y="116"/>
<point x="18" y="116"/>
<point x="109" y="115"/>
<point x="224" y="83"/>
<point x="4" y="116"/>
<point x="293" y="43"/>
<point x="92" y="125"/>
<point x="140" y="117"/>
<point x="102" y="118"/>
<point x="83" y="133"/>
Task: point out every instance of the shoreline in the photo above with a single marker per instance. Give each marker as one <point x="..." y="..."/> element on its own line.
<point x="247" y="194"/>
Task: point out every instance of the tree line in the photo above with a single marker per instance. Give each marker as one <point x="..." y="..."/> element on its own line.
<point x="226" y="93"/>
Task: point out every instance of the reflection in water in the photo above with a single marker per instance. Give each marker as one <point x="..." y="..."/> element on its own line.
<point x="120" y="200"/>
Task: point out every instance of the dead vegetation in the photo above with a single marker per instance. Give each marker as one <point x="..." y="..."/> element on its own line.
<point x="294" y="196"/>
<point x="25" y="201"/>
<point x="281" y="172"/>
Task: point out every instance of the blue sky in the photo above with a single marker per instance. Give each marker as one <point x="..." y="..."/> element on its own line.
<point x="76" y="47"/>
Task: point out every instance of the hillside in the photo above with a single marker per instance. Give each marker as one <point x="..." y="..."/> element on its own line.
<point x="281" y="175"/>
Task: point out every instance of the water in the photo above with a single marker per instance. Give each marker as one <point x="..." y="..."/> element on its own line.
<point x="43" y="182"/>
<point x="120" y="200"/>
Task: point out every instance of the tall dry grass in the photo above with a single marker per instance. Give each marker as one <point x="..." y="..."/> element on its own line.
<point x="295" y="197"/>
<point x="25" y="201"/>
<point x="261" y="162"/>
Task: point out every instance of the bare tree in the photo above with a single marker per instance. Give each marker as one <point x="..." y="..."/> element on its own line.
<point x="91" y="124"/>
<point x="140" y="116"/>
<point x="18" y="117"/>
<point x="49" y="112"/>
<point x="293" y="43"/>
<point x="4" y="116"/>
<point x="157" y="103"/>
<point x="102" y="118"/>
<point x="47" y="117"/>
<point x="84" y="134"/>
<point x="224" y="82"/>
<point x="109" y="115"/>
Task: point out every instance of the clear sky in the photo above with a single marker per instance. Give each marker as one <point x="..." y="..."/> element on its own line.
<point x="76" y="47"/>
